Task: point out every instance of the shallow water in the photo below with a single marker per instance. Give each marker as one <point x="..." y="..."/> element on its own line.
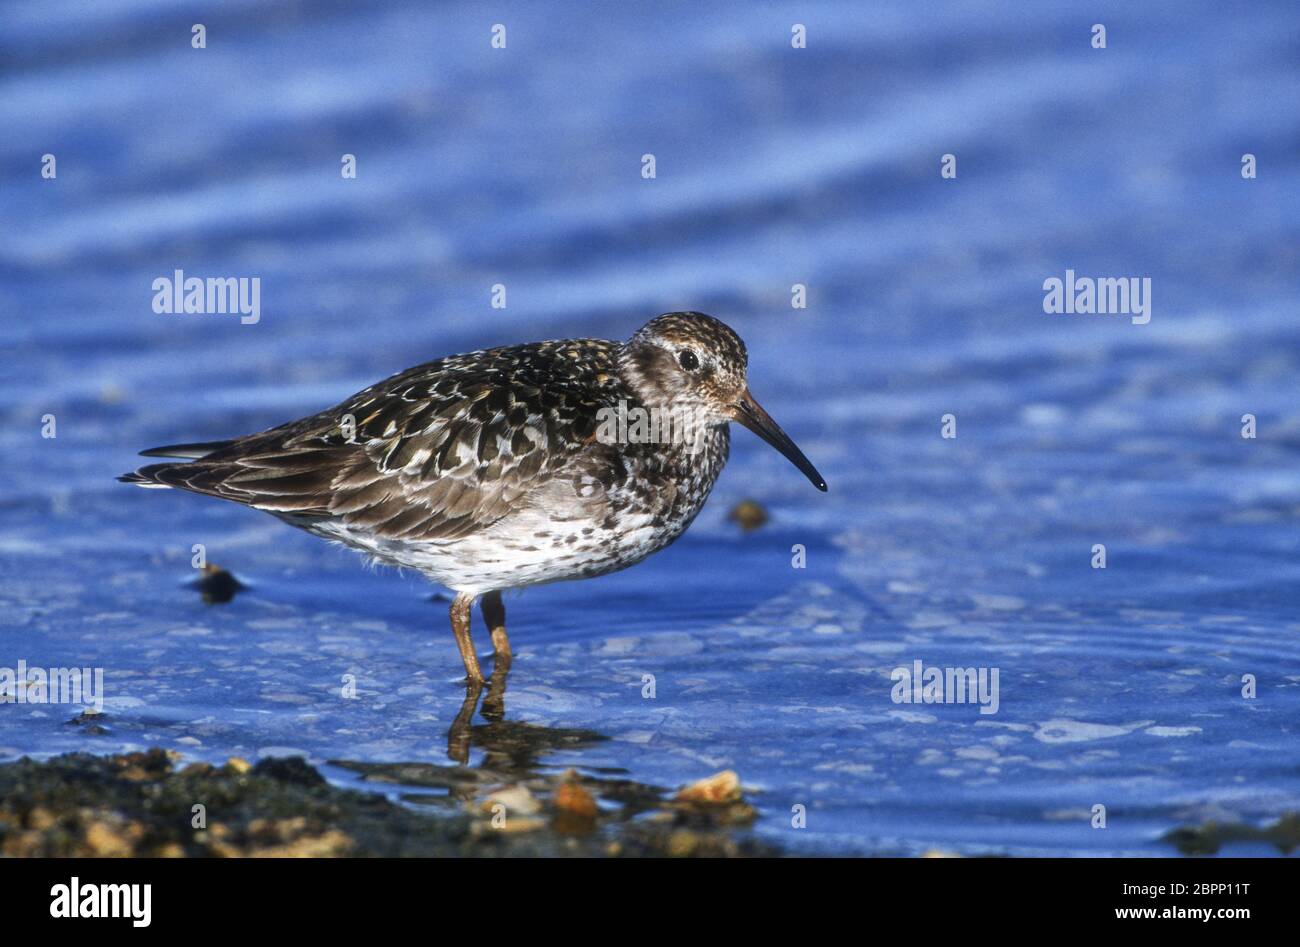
<point x="1119" y="687"/>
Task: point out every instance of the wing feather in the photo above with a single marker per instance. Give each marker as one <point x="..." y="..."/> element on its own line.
<point x="435" y="452"/>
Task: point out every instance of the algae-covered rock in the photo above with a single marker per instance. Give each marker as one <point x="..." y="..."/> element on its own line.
<point x="149" y="804"/>
<point x="1207" y="839"/>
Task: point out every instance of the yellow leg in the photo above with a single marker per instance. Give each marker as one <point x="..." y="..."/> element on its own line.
<point x="460" y="612"/>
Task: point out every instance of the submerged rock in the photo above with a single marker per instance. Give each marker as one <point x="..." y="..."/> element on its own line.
<point x="749" y="514"/>
<point x="722" y="787"/>
<point x="90" y="721"/>
<point x="216" y="585"/>
<point x="516" y="800"/>
<point x="575" y="808"/>
<point x="1207" y="839"/>
<point x="713" y="802"/>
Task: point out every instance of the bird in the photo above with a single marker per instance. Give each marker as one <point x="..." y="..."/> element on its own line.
<point x="507" y="467"/>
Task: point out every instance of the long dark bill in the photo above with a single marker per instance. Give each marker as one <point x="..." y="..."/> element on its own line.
<point x="751" y="414"/>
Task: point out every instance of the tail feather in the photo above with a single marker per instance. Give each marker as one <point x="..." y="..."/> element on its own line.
<point x="155" y="475"/>
<point x="172" y="475"/>
<point x="141" y="481"/>
<point x="259" y="470"/>
<point x="296" y="493"/>
<point x="187" y="451"/>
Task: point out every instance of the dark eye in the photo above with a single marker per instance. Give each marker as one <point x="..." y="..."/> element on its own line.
<point x="688" y="359"/>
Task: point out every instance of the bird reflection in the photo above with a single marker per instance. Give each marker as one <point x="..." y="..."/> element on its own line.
<point x="512" y="749"/>
<point x="461" y="735"/>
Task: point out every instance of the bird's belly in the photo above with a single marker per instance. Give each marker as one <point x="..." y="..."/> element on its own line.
<point x="568" y="529"/>
<point x="507" y="559"/>
<point x="525" y="549"/>
<point x="505" y="556"/>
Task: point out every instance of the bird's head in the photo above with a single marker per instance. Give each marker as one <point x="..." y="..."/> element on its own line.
<point x="694" y="367"/>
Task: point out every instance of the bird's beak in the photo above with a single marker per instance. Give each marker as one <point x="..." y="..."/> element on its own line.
<point x="751" y="414"/>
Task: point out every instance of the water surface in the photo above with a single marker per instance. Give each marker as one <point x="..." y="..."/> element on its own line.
<point x="1119" y="687"/>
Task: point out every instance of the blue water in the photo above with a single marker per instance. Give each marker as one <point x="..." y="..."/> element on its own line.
<point x="1119" y="687"/>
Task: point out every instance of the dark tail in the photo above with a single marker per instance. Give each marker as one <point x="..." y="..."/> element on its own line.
<point x="171" y="475"/>
<point x="187" y="451"/>
<point x="156" y="475"/>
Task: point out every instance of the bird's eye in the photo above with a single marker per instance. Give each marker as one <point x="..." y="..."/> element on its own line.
<point x="688" y="359"/>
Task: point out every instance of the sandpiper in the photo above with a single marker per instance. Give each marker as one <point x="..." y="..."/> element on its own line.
<point x="505" y="468"/>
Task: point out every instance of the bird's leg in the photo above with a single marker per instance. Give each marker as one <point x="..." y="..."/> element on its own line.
<point x="494" y="614"/>
<point x="460" y="612"/>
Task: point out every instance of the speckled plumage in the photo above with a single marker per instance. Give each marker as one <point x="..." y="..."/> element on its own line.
<point x="491" y="470"/>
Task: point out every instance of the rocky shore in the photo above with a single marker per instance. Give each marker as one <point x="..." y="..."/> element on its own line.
<point x="152" y="804"/>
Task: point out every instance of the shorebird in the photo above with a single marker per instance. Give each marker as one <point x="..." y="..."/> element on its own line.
<point x="508" y="467"/>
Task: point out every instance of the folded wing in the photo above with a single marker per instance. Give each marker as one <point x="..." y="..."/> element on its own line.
<point x="436" y="452"/>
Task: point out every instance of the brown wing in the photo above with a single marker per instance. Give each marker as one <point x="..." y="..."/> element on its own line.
<point x="433" y="453"/>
